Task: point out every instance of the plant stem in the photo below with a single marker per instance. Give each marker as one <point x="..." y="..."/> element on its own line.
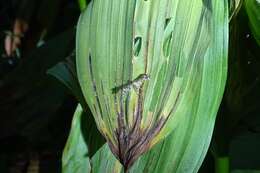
<point x="126" y="170"/>
<point x="222" y="164"/>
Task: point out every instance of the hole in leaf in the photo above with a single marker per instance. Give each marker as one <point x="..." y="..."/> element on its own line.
<point x="137" y="45"/>
<point x="167" y="21"/>
<point x="166" y="45"/>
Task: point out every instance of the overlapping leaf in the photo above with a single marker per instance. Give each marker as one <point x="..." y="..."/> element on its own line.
<point x="76" y="155"/>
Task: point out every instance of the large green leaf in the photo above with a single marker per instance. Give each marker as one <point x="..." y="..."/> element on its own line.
<point x="182" y="47"/>
<point x="253" y="11"/>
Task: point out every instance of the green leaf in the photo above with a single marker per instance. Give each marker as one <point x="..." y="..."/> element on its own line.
<point x="184" y="54"/>
<point x="75" y="155"/>
<point x="253" y="12"/>
<point x="104" y="161"/>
